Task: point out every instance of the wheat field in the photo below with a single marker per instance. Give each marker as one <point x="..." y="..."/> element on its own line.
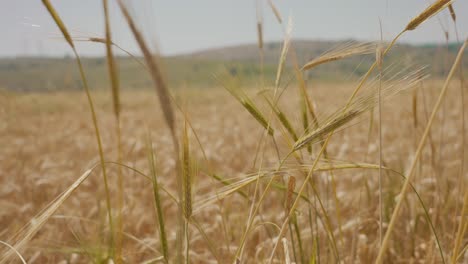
<point x="291" y="170"/>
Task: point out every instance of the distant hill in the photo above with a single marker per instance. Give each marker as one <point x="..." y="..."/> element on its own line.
<point x="197" y="69"/>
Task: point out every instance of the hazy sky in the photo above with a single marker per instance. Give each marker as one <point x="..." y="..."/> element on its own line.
<point x="183" y="26"/>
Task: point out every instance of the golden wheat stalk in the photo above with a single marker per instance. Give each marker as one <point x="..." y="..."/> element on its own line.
<point x="341" y="52"/>
<point x="103" y="41"/>
<point x="59" y="22"/>
<point x="427" y="13"/>
<point x="284" y="51"/>
<point x="157" y="199"/>
<point x="187" y="174"/>
<point x="111" y="63"/>
<point x="290" y="193"/>
<point x="28" y="232"/>
<point x="259" y="25"/>
<point x="169" y="116"/>
<point x="462" y="228"/>
<point x="275" y="11"/>
<point x="10" y="247"/>
<point x="283" y="119"/>
<point x="156" y="74"/>
<point x="187" y="187"/>
<point x="452" y="13"/>
<point x="260" y="35"/>
<point x="397" y="82"/>
<point x="253" y="110"/>
<point x="115" y="87"/>
<point x="422" y="142"/>
<point x="232" y="87"/>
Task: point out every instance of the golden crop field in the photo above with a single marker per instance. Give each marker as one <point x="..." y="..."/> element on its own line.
<point x="49" y="142"/>
<point x="291" y="170"/>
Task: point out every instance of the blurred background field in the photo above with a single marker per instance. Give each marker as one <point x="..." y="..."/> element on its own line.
<point x="209" y="189"/>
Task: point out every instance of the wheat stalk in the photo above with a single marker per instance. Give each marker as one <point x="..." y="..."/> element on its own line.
<point x="290" y="193"/>
<point x="400" y="81"/>
<point x="115" y="87"/>
<point x="28" y="232"/>
<point x="157" y="199"/>
<point x="187" y="174"/>
<point x="58" y="21"/>
<point x="284" y="52"/>
<point x="247" y="103"/>
<point x="156" y="74"/>
<point x="341" y="52"/>
<point x="259" y="24"/>
<point x="169" y="116"/>
<point x="422" y="142"/>
<point x="275" y="11"/>
<point x="427" y="13"/>
<point x="10" y="247"/>
<point x="452" y="13"/>
<point x="283" y="119"/>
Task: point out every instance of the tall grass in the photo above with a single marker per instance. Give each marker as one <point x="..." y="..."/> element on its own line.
<point x="69" y="40"/>
<point x="410" y="174"/>
<point x="279" y="211"/>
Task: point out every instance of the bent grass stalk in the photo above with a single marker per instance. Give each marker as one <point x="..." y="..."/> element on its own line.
<point x="419" y="19"/>
<point x="462" y="227"/>
<point x="275" y="11"/>
<point x="15" y="251"/>
<point x="169" y="116"/>
<point x="115" y="87"/>
<point x="422" y="142"/>
<point x="462" y="150"/>
<point x="27" y="233"/>
<point x="349" y="49"/>
<point x="157" y="200"/>
<point x="67" y="37"/>
<point x="379" y="60"/>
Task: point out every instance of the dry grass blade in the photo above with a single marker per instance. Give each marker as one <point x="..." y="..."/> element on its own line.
<point x="15" y="251"/>
<point x="452" y="13"/>
<point x="37" y="222"/>
<point x="115" y="87"/>
<point x="111" y="64"/>
<point x="187" y="174"/>
<point x="427" y="13"/>
<point x="462" y="227"/>
<point x="284" y="52"/>
<point x="306" y="104"/>
<point x="103" y="41"/>
<point x="296" y="202"/>
<point x="287" y="259"/>
<point x="290" y="193"/>
<point x="65" y="33"/>
<point x="259" y="25"/>
<point x="169" y="116"/>
<point x="275" y="11"/>
<point x="415" y="107"/>
<point x="260" y="35"/>
<point x="157" y="200"/>
<point x="411" y="174"/>
<point x="187" y="186"/>
<point x="341" y="52"/>
<point x="58" y="21"/>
